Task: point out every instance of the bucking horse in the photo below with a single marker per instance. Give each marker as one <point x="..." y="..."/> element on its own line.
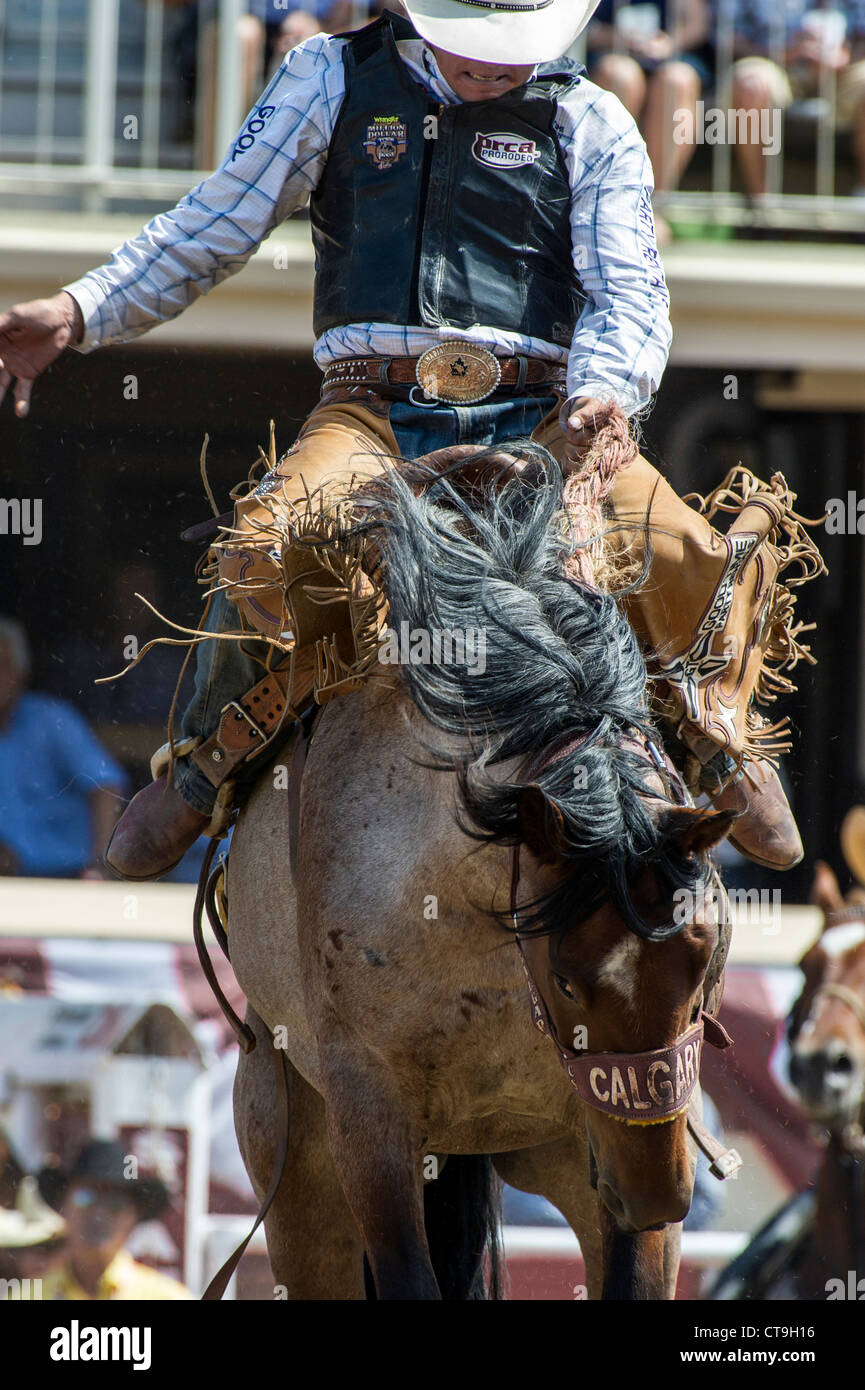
<point x="461" y="928"/>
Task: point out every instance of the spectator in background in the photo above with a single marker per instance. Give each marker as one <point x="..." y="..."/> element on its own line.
<point x="59" y="790"/>
<point x="11" y="1172"/>
<point x="101" y="1207"/>
<point x="813" y="39"/>
<point x="269" y="30"/>
<point x="656" y="58"/>
<point x="32" y="1241"/>
<point x="325" y="16"/>
<point x="273" y="32"/>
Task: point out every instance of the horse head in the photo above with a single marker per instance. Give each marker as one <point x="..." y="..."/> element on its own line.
<point x="624" y="994"/>
<point x="827" y="1023"/>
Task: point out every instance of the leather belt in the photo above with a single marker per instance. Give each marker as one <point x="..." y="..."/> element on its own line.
<point x="378" y="372"/>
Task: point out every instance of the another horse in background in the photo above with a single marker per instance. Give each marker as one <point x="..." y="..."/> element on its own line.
<point x="814" y="1247"/>
<point x="387" y="965"/>
<point x="827" y="1067"/>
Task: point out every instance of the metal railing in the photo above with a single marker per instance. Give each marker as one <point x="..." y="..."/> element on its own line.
<point x="705" y="1251"/>
<point x="91" y="98"/>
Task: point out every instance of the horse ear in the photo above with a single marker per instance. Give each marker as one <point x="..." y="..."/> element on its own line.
<point x="853" y="842"/>
<point x="542" y="825"/>
<point x="696" y="832"/>
<point x="825" y="892"/>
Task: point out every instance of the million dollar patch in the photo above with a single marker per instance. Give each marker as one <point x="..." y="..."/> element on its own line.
<point x="386" y="140"/>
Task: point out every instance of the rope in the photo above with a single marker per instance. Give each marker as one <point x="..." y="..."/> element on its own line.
<point x="587" y="488"/>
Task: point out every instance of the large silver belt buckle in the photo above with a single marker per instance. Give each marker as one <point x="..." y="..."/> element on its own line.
<point x="458" y="373"/>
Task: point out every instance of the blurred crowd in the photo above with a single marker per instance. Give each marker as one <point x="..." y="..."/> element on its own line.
<point x="660" y="57"/>
<point x="663" y="57"/>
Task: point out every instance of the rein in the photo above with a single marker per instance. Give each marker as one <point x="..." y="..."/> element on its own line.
<point x="206" y="899"/>
<point x="851" y="1137"/>
<point x="636" y="1088"/>
<point x="847" y="996"/>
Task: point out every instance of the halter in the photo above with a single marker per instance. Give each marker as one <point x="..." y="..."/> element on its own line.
<point x="852" y="1137"/>
<point x="637" y="1088"/>
<point x="847" y="996"/>
<point x="851" y="912"/>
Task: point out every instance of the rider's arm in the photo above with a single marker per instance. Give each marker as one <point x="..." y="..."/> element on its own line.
<point x="270" y="171"/>
<point x="622" y="340"/>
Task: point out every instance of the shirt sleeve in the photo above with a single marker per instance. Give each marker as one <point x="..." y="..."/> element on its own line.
<point x="622" y="340"/>
<point x="80" y="756"/>
<point x="272" y="168"/>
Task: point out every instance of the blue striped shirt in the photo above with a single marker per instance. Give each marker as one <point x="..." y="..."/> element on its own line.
<point x="622" y="340"/>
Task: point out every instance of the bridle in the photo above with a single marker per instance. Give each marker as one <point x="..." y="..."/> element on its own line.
<point x="847" y="996"/>
<point x="839" y="918"/>
<point x="852" y="1137"/>
<point x="636" y="1088"/>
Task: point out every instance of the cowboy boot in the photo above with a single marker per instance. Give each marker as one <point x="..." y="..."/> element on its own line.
<point x="765" y="831"/>
<point x="154" y="833"/>
<point x="718" y="627"/>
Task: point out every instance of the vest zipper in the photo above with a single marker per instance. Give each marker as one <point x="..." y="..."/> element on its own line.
<point x="425" y="177"/>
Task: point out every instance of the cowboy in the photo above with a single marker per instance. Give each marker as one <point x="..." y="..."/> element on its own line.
<point x="101" y="1204"/>
<point x="486" y="268"/>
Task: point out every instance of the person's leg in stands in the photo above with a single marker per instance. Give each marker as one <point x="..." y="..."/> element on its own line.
<point x="851" y="113"/>
<point x="620" y="74"/>
<point x="758" y="85"/>
<point x="670" y="112"/>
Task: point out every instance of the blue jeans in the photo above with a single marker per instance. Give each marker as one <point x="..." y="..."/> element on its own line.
<point x="226" y="670"/>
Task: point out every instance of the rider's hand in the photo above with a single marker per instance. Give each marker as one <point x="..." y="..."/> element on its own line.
<point x="658" y="48"/>
<point x="578" y="420"/>
<point x="32" y="336"/>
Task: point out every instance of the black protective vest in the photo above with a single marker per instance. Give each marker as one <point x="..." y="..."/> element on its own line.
<point x="470" y="227"/>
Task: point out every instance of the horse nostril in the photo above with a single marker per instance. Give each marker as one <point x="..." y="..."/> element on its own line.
<point x="818" y="1074"/>
<point x="842" y="1065"/>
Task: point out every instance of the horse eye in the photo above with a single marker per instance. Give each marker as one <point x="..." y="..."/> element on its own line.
<point x="562" y="984"/>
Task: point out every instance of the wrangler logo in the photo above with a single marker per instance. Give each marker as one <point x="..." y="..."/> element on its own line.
<point x="503" y="150"/>
<point x="386" y="141"/>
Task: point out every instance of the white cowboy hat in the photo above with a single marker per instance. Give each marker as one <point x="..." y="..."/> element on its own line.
<point x="31" y="1221"/>
<point x="501" y="31"/>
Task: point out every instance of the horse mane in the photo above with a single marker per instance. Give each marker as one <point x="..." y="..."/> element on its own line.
<point x="560" y="661"/>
